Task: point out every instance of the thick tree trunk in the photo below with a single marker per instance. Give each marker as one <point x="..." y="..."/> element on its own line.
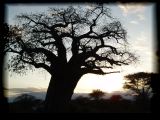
<point x="60" y="91"/>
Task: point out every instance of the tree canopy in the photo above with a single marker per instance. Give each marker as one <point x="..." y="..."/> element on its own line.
<point x="88" y="39"/>
<point x="139" y="83"/>
<point x="97" y="94"/>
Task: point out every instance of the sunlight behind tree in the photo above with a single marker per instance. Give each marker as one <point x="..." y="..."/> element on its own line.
<point x="107" y="83"/>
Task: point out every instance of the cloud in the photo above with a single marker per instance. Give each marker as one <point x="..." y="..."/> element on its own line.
<point x="134" y="22"/>
<point x="140" y="42"/>
<point x="131" y="8"/>
<point x="90" y="6"/>
<point x="141" y="17"/>
<point x="142" y="37"/>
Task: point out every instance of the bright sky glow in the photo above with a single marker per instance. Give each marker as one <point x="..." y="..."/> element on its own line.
<point x="138" y="21"/>
<point x="101" y="82"/>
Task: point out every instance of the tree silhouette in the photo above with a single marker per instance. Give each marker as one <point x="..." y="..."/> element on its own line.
<point x="68" y="43"/>
<point x="96" y="94"/>
<point x="4" y="40"/>
<point x="155" y="105"/>
<point x="139" y="83"/>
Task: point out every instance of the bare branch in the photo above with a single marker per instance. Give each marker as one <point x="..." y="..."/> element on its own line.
<point x="88" y="31"/>
<point x="38" y="65"/>
<point x="50" y="56"/>
<point x="29" y="18"/>
<point x="89" y="70"/>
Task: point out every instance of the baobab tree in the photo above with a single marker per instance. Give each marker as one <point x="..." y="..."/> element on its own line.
<point x="68" y="43"/>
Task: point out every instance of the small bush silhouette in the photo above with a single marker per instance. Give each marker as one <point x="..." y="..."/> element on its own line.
<point x="96" y="94"/>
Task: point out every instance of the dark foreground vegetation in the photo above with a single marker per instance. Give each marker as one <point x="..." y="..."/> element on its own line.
<point x="116" y="104"/>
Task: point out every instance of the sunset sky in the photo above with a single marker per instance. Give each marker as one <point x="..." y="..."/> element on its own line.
<point x="137" y="19"/>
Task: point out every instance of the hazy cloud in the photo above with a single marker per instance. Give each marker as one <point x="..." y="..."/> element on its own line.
<point x="141" y="17"/>
<point x="142" y="37"/>
<point x="131" y="8"/>
<point x="133" y="22"/>
<point x="90" y="6"/>
<point x="140" y="42"/>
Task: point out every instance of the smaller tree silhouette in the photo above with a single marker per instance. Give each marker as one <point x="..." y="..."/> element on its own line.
<point x="97" y="94"/>
<point x="139" y="83"/>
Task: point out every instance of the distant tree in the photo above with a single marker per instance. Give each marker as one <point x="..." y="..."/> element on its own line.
<point x="68" y="43"/>
<point x="97" y="94"/>
<point x="139" y="83"/>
